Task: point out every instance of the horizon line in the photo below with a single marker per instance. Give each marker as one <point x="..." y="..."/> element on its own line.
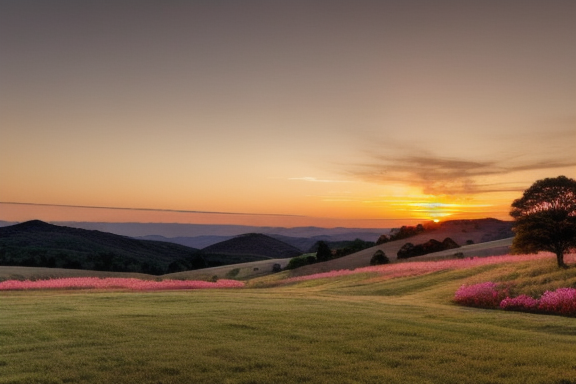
<point x="196" y="212"/>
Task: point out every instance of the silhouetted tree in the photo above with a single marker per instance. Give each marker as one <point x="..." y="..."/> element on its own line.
<point x="546" y="218"/>
<point x="406" y="251"/>
<point x="324" y="253"/>
<point x="379" y="258"/>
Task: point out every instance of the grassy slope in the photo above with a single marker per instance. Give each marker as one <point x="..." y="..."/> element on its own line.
<point x="253" y="269"/>
<point x="480" y="232"/>
<point x="354" y="329"/>
<point x="245" y="271"/>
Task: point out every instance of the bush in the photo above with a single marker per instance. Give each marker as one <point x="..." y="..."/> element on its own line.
<point x="406" y="251"/>
<point x="561" y="302"/>
<point x="301" y="261"/>
<point x="379" y="258"/>
<point x="324" y="253"/>
<point x="521" y="303"/>
<point x="232" y="273"/>
<point x="483" y="295"/>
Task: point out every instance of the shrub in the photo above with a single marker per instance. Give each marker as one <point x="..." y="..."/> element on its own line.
<point x="324" y="253"/>
<point x="379" y="258"/>
<point x="521" y="303"/>
<point x="483" y="295"/>
<point x="561" y="301"/>
<point x="382" y="239"/>
<point x="405" y="251"/>
<point x="301" y="261"/>
<point x="232" y="273"/>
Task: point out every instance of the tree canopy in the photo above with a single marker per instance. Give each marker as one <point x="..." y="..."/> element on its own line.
<point x="324" y="253"/>
<point x="546" y="218"/>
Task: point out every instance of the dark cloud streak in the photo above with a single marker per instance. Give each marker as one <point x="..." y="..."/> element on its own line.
<point x="146" y="209"/>
<point x="449" y="176"/>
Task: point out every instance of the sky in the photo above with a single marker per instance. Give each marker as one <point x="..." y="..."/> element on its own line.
<point x="289" y="113"/>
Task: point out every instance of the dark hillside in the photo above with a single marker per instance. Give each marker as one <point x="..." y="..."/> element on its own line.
<point x="462" y="232"/>
<point x="39" y="244"/>
<point x="198" y="242"/>
<point x="302" y="243"/>
<point x="253" y="244"/>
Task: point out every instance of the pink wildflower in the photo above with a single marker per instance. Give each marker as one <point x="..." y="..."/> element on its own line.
<point x="484" y="295"/>
<point x="116" y="283"/>
<point x="561" y="301"/>
<point x="415" y="268"/>
<point x="521" y="303"/>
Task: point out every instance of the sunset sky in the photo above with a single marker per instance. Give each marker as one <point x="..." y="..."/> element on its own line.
<point x="330" y="113"/>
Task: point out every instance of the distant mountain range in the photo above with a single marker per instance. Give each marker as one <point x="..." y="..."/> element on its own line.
<point x="304" y="244"/>
<point x="203" y="235"/>
<point x="174" y="230"/>
<point x="39" y="244"/>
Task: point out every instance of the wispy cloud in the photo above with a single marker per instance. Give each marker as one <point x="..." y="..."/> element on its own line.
<point x="146" y="209"/>
<point x="315" y="180"/>
<point x="440" y="175"/>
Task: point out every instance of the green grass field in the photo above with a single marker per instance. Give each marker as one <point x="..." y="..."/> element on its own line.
<point x="352" y="329"/>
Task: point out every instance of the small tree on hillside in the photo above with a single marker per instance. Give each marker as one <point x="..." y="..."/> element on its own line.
<point x="379" y="258"/>
<point x="546" y="218"/>
<point x="324" y="253"/>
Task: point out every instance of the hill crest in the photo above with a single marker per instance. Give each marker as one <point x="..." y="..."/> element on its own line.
<point x="255" y="244"/>
<point x="36" y="243"/>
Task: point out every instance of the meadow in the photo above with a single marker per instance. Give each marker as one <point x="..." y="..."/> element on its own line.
<point x="364" y="327"/>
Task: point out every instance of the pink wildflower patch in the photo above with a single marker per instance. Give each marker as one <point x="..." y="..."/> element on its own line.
<point x="415" y="268"/>
<point x="561" y="301"/>
<point x="521" y="303"/>
<point x="116" y="283"/>
<point x="483" y="295"/>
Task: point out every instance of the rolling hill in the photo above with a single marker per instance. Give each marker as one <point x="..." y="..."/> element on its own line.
<point x="496" y="235"/>
<point x="490" y="237"/>
<point x="39" y="244"/>
<point x="178" y="230"/>
<point x="192" y="242"/>
<point x="482" y="232"/>
<point x="253" y="245"/>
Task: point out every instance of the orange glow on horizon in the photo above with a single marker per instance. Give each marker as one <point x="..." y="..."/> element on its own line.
<point x="25" y="212"/>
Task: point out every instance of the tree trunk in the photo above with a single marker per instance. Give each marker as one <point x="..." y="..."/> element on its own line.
<point x="560" y="259"/>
